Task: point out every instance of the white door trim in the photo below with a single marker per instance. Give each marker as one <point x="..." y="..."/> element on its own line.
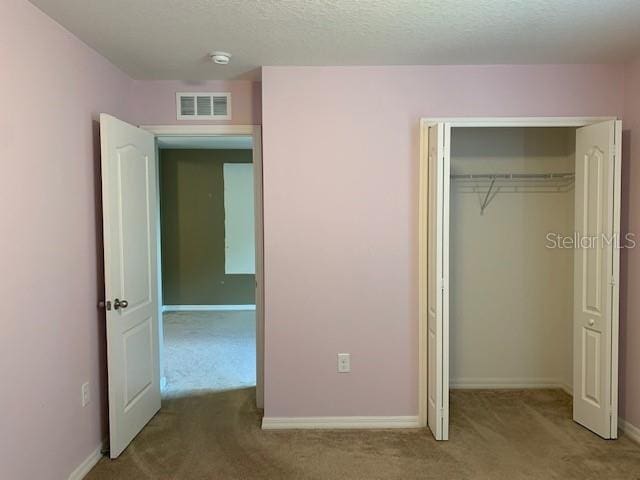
<point x="208" y="308"/>
<point x="202" y="130"/>
<point x="254" y="131"/>
<point x="425" y="123"/>
<point x="515" y="121"/>
<point x="615" y="300"/>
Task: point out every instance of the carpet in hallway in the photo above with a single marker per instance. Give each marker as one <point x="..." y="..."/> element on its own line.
<point x="209" y="351"/>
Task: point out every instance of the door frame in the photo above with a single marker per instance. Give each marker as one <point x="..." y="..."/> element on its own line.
<point x="254" y="131"/>
<point x="427" y="122"/>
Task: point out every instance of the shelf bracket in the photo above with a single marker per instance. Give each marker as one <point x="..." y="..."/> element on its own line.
<point x="488" y="197"/>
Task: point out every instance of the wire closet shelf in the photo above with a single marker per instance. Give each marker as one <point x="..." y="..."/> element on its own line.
<point x="488" y="185"/>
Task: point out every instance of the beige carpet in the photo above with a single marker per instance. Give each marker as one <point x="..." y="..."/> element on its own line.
<point x="494" y="435"/>
<point x="209" y="351"/>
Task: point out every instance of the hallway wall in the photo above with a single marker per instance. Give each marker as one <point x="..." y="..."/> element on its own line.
<point x="154" y="102"/>
<point x="193" y="229"/>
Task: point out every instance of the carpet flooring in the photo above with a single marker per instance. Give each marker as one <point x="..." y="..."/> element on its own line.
<point x="209" y="351"/>
<point x="501" y="435"/>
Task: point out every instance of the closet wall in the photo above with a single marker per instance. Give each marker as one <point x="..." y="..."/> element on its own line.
<point x="511" y="296"/>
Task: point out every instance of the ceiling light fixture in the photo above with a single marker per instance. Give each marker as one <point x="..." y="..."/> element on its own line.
<point x="221" y="58"/>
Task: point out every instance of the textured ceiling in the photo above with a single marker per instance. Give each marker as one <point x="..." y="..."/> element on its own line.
<point x="170" y="39"/>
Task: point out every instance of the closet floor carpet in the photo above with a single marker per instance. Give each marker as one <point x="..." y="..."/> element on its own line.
<point x="494" y="435"/>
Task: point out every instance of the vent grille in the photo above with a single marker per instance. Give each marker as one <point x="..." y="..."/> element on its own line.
<point x="187" y="106"/>
<point x="220" y="106"/>
<point x="203" y="106"/>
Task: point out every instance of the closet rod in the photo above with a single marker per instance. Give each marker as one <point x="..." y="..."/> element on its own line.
<point x="513" y="176"/>
<point x="488" y="185"/>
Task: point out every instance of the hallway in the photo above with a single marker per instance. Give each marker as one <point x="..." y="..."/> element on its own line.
<point x="209" y="351"/>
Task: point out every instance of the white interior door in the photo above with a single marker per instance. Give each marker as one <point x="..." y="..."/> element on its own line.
<point x="595" y="331"/>
<point x="130" y="244"/>
<point x="438" y="281"/>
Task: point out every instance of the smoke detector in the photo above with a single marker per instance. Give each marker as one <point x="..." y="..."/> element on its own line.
<point x="221" y="58"/>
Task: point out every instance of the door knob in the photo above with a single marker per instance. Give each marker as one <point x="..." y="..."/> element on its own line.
<point x="592" y="322"/>
<point x="117" y="304"/>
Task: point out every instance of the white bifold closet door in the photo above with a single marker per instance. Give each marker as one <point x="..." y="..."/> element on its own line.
<point x="596" y="270"/>
<point x="438" y="280"/>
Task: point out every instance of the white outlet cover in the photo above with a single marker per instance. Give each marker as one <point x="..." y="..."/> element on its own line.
<point x="86" y="394"/>
<point x="344" y="362"/>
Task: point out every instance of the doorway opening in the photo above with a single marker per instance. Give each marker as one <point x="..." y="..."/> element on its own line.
<point x="208" y="267"/>
<point x="518" y="314"/>
<point x="132" y="258"/>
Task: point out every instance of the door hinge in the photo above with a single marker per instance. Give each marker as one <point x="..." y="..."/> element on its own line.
<point x="442" y="284"/>
<point x="612" y="281"/>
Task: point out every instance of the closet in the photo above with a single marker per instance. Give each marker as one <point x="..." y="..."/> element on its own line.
<point x="511" y="293"/>
<point x="511" y="296"/>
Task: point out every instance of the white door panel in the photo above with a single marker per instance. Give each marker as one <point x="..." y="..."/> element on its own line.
<point x="130" y="243"/>
<point x="437" y="281"/>
<point x="595" y="280"/>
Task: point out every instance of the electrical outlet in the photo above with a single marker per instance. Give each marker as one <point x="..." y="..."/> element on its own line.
<point x="86" y="394"/>
<point x="344" y="362"/>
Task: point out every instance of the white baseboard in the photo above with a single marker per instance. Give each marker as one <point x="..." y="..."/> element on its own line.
<point x="282" y="423"/>
<point x="568" y="388"/>
<point x="629" y="430"/>
<point x="207" y="308"/>
<point x="507" y="383"/>
<point x="85" y="467"/>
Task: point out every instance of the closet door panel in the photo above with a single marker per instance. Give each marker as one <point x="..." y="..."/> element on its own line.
<point x="438" y="282"/>
<point x="593" y="180"/>
<point x="594" y="281"/>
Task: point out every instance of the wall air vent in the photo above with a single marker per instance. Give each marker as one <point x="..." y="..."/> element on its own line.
<point x="203" y="106"/>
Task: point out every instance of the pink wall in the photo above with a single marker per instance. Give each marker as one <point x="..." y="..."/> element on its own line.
<point x="154" y="102"/>
<point x="341" y="189"/>
<point x="630" y="259"/>
<point x="51" y="88"/>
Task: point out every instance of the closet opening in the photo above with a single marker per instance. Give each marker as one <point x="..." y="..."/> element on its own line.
<point x="511" y="273"/>
<point x="519" y="243"/>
